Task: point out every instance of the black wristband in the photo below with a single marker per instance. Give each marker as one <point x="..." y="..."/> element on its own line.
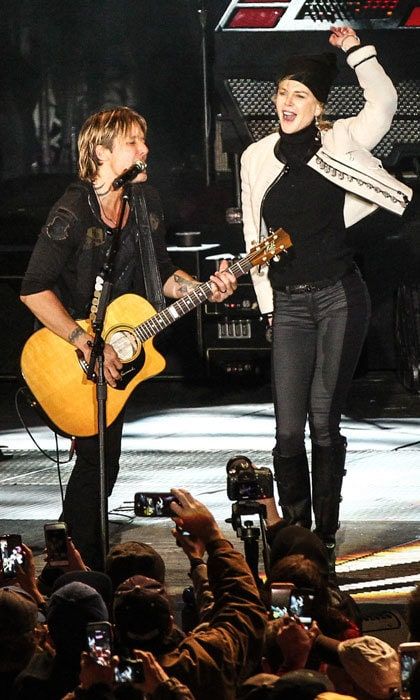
<point x="195" y="561"/>
<point x="352" y="49"/>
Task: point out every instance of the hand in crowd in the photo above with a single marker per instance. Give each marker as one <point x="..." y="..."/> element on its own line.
<point x="223" y="282"/>
<point x="193" y="517"/>
<point x="154" y="674"/>
<point x="273" y="516"/>
<point x="295" y="642"/>
<point x="193" y="547"/>
<point x="26" y="575"/>
<point x="92" y="672"/>
<point x="76" y="562"/>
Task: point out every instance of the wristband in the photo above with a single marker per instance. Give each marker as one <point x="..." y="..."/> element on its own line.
<point x="349" y="36"/>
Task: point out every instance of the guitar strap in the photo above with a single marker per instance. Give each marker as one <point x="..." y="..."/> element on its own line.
<point x="151" y="276"/>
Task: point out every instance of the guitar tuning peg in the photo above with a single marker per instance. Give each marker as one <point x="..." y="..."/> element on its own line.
<point x="276" y="258"/>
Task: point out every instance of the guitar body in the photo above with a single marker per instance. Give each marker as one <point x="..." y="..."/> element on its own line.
<point x="52" y="369"/>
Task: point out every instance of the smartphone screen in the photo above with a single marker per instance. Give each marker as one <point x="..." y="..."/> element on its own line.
<point x="409" y="654"/>
<point x="153" y="505"/>
<point x="56" y="543"/>
<point x="301" y="605"/>
<point x="11" y="554"/>
<point x="280" y="600"/>
<point x="99" y="638"/>
<point x="129" y="670"/>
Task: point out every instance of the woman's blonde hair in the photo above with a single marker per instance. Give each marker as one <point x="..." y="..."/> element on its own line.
<point x="100" y="129"/>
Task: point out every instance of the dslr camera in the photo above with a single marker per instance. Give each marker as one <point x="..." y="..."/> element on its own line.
<point x="247" y="482"/>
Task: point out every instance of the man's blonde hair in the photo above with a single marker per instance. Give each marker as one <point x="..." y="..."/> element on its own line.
<point x="100" y="129"/>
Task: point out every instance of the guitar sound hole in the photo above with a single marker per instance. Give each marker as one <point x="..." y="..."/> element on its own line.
<point x="125" y="344"/>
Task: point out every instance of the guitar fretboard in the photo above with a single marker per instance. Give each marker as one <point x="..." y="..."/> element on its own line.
<point x="182" y="306"/>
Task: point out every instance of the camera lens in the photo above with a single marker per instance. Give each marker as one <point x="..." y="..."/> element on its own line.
<point x="238" y="462"/>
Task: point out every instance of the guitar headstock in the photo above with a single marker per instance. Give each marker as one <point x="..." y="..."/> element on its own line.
<point x="279" y="242"/>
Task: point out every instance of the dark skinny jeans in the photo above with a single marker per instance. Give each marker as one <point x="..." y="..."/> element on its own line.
<point x="317" y="340"/>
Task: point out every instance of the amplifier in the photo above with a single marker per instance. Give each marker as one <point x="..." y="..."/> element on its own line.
<point x="238" y="362"/>
<point x="242" y="304"/>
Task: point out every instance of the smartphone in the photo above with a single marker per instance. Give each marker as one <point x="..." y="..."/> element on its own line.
<point x="153" y="505"/>
<point x="56" y="543"/>
<point x="99" y="639"/>
<point x="11" y="554"/>
<point x="301" y="605"/>
<point x="129" y="670"/>
<point x="409" y="654"/>
<point x="280" y="599"/>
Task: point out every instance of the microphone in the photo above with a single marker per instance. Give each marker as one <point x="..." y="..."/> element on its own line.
<point x="138" y="167"/>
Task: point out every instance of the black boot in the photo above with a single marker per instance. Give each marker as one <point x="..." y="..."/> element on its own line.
<point x="327" y="478"/>
<point x="293" y="485"/>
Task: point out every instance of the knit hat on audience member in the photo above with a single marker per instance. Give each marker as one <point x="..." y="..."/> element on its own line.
<point x="317" y="72"/>
<point x="142" y="613"/>
<point x="294" y="685"/>
<point x="69" y="610"/>
<point x="371" y="663"/>
<point x="96" y="579"/>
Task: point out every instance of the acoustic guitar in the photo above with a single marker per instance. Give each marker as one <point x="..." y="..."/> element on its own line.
<point x="55" y="371"/>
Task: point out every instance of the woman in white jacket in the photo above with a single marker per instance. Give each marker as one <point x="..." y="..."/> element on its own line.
<point x="314" y="180"/>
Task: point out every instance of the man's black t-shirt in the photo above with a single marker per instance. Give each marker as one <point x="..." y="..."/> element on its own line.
<point x="73" y="244"/>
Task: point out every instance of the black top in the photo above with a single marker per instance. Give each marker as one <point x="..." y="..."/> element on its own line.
<point x="72" y="246"/>
<point x="310" y="208"/>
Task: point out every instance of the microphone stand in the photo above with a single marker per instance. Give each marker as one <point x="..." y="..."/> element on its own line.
<point x="97" y="361"/>
<point x="202" y="16"/>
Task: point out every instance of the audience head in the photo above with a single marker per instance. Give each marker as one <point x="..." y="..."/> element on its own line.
<point x="18" y="620"/>
<point x="294" y="539"/>
<point x="297" y="569"/>
<point x="142" y="614"/>
<point x="295" y="685"/>
<point x="371" y="668"/>
<point x="132" y="558"/>
<point x="96" y="579"/>
<point x="69" y="610"/>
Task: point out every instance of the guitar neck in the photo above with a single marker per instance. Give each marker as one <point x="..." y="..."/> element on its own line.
<point x="183" y="306"/>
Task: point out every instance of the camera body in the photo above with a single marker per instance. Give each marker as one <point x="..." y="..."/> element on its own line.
<point x="247" y="482"/>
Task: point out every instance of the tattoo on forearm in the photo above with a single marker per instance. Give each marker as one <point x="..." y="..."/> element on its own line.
<point x="185" y="286"/>
<point x="76" y="333"/>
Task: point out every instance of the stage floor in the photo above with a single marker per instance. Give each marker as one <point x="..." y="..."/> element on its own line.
<point x="180" y="434"/>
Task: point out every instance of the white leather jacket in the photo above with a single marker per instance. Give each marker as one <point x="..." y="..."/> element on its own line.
<point x="344" y="157"/>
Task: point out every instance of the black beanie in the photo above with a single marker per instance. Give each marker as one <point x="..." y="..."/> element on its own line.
<point x="316" y="72"/>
